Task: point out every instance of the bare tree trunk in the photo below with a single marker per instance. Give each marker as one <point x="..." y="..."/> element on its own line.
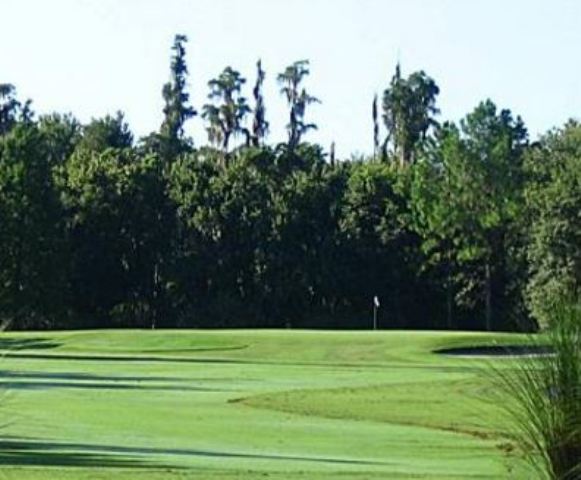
<point x="154" y="303"/>
<point x="488" y="295"/>
<point x="449" y="289"/>
<point x="449" y="304"/>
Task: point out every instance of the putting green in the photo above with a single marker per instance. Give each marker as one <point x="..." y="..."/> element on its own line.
<point x="249" y="404"/>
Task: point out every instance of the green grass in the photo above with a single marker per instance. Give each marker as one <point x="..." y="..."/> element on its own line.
<point x="248" y="404"/>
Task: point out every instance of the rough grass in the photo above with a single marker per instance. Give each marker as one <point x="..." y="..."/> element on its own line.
<point x="249" y="404"/>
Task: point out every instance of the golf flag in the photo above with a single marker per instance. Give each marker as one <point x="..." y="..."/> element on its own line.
<point x="376" y="301"/>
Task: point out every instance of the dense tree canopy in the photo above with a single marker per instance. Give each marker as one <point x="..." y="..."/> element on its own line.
<point x="553" y="195"/>
<point x="463" y="226"/>
<point x="409" y="108"/>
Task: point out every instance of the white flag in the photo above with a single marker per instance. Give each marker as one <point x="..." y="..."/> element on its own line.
<point x="376" y="301"/>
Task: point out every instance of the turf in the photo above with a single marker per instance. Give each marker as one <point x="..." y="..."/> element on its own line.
<point x="249" y="404"/>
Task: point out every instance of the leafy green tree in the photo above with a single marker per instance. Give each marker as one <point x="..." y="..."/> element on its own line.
<point x="107" y="132"/>
<point x="382" y="251"/>
<point x="119" y="234"/>
<point x="225" y="223"/>
<point x="467" y="199"/>
<point x="437" y="218"/>
<point x="298" y="100"/>
<point x="553" y="197"/>
<point x="409" y="110"/>
<point x="303" y="276"/>
<point x="189" y="186"/>
<point x="164" y="234"/>
<point x="495" y="142"/>
<point x="11" y="109"/>
<point x="61" y="135"/>
<point x="226" y="118"/>
<point x="32" y="277"/>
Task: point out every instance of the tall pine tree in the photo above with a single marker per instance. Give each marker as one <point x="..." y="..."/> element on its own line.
<point x="177" y="109"/>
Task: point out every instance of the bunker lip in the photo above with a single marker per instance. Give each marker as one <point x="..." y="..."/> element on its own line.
<point x="495" y="351"/>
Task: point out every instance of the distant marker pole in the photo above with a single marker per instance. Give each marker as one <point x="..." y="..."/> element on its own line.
<point x="376" y="306"/>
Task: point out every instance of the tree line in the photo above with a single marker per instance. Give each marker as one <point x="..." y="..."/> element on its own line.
<point x="466" y="225"/>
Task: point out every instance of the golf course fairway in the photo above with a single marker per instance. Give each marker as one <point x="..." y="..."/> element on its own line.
<point x="246" y="404"/>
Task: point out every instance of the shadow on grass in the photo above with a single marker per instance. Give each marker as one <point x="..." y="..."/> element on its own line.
<point x="41" y="454"/>
<point x="23" y="385"/>
<point x="33" y="458"/>
<point x="497" y="351"/>
<point x="36" y="375"/>
<point x="34" y="452"/>
<point x="34" y="380"/>
<point x="226" y="361"/>
<point x="34" y="343"/>
<point x="122" y="358"/>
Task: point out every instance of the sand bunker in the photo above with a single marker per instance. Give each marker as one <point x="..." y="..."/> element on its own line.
<point x="496" y="351"/>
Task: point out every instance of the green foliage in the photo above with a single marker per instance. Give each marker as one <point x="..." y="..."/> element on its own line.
<point x="225" y="220"/>
<point x="118" y="231"/>
<point x="298" y="100"/>
<point x="32" y="289"/>
<point x="108" y="132"/>
<point x="467" y="197"/>
<point x="305" y="274"/>
<point x="61" y="134"/>
<point x="259" y="124"/>
<point x="177" y="109"/>
<point x="238" y="233"/>
<point x="553" y="196"/>
<point x="227" y="117"/>
<point x="374" y="114"/>
<point x="11" y="109"/>
<point x="409" y="108"/>
<point x="377" y="231"/>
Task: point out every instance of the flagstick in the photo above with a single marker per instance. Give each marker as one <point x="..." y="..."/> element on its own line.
<point x="374" y="316"/>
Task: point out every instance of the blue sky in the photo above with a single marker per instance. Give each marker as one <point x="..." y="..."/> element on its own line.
<point x="93" y="57"/>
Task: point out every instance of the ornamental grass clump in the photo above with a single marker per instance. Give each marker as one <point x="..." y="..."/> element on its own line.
<point x="546" y="398"/>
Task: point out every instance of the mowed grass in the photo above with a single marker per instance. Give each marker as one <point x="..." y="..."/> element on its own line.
<point x="250" y="404"/>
